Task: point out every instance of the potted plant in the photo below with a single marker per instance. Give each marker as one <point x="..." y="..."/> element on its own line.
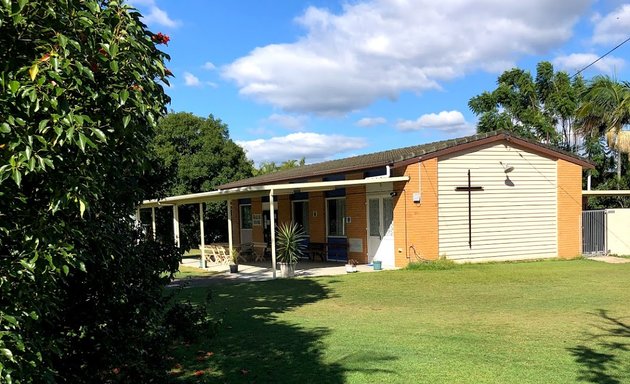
<point x="233" y="260"/>
<point x="351" y="266"/>
<point x="290" y="247"/>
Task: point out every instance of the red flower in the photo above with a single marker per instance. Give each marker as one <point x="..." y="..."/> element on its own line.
<point x="160" y="38"/>
<point x="198" y="373"/>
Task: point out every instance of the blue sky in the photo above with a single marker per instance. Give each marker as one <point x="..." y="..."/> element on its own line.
<point x="325" y="79"/>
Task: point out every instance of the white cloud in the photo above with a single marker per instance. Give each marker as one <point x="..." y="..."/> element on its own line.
<point x="155" y="14"/>
<point x="208" y="65"/>
<point x="576" y="61"/>
<point x="341" y="65"/>
<point x="447" y="121"/>
<point x="312" y="146"/>
<point x="191" y="80"/>
<point x="371" y="121"/>
<point x="614" y="27"/>
<point x="291" y="122"/>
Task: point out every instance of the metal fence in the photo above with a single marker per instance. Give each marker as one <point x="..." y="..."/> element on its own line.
<point x="594" y="232"/>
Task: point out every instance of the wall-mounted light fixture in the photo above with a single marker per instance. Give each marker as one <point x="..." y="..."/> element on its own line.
<point x="507" y="168"/>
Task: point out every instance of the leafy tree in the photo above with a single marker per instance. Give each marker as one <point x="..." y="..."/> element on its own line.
<point x="80" y="290"/>
<point x="605" y="111"/>
<point x="197" y="155"/>
<point x="532" y="108"/>
<point x="586" y="118"/>
<point x="271" y="166"/>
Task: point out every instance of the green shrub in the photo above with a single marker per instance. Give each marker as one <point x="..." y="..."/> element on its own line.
<point x="290" y="242"/>
<point x="80" y="289"/>
<point x="188" y="321"/>
<point x="436" y="265"/>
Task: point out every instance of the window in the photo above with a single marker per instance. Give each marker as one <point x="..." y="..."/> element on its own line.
<point x="336" y="212"/>
<point x="246" y="216"/>
<point x="300" y="214"/>
<point x="375" y="217"/>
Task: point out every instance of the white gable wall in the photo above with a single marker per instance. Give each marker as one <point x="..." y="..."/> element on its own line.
<point x="508" y="222"/>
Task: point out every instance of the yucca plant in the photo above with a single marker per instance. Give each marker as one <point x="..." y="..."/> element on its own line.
<point x="290" y="242"/>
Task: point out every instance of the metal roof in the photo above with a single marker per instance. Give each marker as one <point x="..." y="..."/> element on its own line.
<point x="403" y="156"/>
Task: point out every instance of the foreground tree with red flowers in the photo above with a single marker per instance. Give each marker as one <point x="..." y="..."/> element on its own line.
<point x="81" y="295"/>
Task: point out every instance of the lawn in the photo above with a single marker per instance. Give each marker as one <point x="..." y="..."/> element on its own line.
<point x="535" y="322"/>
<point x="187" y="272"/>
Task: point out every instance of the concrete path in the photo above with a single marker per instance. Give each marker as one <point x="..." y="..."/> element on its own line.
<point x="610" y="259"/>
<point x="262" y="271"/>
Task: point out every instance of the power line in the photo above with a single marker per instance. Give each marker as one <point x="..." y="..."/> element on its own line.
<point x="601" y="57"/>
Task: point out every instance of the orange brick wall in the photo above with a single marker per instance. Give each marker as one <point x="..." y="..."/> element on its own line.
<point x="416" y="223"/>
<point x="236" y="224"/>
<point x="257" y="230"/>
<point x="317" y="225"/>
<point x="284" y="209"/>
<point x="569" y="209"/>
<point x="356" y="209"/>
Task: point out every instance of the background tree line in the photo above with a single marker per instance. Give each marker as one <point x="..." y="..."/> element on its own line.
<point x="586" y="117"/>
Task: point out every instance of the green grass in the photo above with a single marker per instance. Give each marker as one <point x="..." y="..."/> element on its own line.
<point x="193" y="252"/>
<point x="186" y="272"/>
<point x="535" y="322"/>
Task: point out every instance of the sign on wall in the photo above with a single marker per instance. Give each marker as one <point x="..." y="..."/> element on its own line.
<point x="355" y="245"/>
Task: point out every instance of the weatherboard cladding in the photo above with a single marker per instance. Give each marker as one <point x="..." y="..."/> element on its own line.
<point x="399" y="157"/>
<point x="513" y="217"/>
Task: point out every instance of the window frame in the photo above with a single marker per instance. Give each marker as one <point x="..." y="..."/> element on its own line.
<point x="343" y="220"/>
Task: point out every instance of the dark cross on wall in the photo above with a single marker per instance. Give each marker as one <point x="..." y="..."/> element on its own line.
<point x="470" y="189"/>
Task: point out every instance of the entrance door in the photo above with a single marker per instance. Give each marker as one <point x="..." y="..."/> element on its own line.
<point x="381" y="230"/>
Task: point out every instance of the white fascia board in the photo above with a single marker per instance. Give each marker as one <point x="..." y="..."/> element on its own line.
<point x="608" y="192"/>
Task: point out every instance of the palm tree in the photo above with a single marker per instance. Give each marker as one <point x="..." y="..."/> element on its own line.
<point x="605" y="110"/>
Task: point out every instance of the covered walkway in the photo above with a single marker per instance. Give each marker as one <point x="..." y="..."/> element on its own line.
<point x="269" y="191"/>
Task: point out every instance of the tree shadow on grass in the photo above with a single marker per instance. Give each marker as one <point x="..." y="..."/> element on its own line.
<point x="604" y="356"/>
<point x="253" y="346"/>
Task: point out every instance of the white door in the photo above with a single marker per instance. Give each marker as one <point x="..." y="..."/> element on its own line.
<point x="381" y="230"/>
